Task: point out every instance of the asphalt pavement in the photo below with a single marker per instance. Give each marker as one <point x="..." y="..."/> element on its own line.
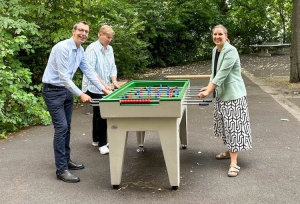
<point x="269" y="172"/>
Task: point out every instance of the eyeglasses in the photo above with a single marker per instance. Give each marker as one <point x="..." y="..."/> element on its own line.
<point x="82" y="30"/>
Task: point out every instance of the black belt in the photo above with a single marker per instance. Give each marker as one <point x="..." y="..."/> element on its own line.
<point x="52" y="86"/>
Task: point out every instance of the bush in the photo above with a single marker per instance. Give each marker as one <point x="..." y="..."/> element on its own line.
<point x="20" y="101"/>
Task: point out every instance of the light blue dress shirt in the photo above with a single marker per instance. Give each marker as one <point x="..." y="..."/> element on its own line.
<point x="64" y="60"/>
<point x="103" y="62"/>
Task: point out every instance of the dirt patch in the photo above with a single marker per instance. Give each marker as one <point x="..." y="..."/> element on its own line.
<point x="283" y="86"/>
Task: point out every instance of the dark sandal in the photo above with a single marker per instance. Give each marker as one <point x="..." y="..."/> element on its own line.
<point x="224" y="155"/>
<point x="233" y="170"/>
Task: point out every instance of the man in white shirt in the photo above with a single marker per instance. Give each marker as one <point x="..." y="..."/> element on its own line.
<point x="100" y="56"/>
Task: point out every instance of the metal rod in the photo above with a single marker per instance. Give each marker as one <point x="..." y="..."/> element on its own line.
<point x="95" y="100"/>
<point x="199" y="104"/>
<point x="188" y="96"/>
<point x="192" y="91"/>
<point x="153" y="88"/>
<point x="192" y="95"/>
<point x="174" y="88"/>
<point x="204" y="100"/>
<point x="186" y="76"/>
<point x="152" y="93"/>
<point x="193" y="88"/>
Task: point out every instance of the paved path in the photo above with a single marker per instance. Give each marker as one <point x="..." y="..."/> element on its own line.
<point x="269" y="172"/>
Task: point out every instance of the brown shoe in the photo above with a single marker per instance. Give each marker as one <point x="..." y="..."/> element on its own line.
<point x="224" y="155"/>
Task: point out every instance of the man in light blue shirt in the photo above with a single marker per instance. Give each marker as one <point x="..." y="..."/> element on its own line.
<point x="100" y="56"/>
<point x="58" y="89"/>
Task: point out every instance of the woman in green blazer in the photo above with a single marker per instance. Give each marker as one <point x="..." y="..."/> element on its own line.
<point x="231" y="116"/>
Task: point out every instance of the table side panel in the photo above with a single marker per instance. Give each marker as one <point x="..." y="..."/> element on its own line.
<point x="163" y="109"/>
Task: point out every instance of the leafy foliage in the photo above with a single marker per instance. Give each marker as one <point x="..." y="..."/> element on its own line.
<point x="174" y="30"/>
<point x="18" y="104"/>
<point x="255" y="22"/>
<point x="130" y="50"/>
<point x="149" y="33"/>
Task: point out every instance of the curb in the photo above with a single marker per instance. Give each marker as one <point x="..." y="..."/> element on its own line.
<point x="282" y="100"/>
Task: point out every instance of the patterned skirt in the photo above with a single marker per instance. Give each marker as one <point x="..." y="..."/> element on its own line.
<point x="232" y="124"/>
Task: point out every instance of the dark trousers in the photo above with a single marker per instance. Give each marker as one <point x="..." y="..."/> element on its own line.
<point x="59" y="102"/>
<point x="99" y="131"/>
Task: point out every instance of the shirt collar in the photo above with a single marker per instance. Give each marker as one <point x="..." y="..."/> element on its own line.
<point x="73" y="45"/>
<point x="101" y="46"/>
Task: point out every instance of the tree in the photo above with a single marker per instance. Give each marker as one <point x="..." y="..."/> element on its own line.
<point x="280" y="15"/>
<point x="19" y="106"/>
<point x="149" y="33"/>
<point x="295" y="44"/>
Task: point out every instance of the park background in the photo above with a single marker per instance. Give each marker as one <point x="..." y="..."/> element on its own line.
<point x="149" y="34"/>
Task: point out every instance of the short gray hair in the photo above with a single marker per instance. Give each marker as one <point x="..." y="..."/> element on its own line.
<point x="76" y="24"/>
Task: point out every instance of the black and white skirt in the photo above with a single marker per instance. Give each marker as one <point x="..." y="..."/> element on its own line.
<point x="232" y="124"/>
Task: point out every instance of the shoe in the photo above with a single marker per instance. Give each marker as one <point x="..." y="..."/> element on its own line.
<point x="224" y="155"/>
<point x="73" y="166"/>
<point x="104" y="150"/>
<point x="233" y="170"/>
<point x="107" y="144"/>
<point x="66" y="176"/>
<point x="95" y="144"/>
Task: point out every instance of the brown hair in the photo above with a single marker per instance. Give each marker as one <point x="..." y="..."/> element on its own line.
<point x="220" y="26"/>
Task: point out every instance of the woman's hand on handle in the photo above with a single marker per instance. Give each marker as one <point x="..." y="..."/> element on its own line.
<point x="205" y="91"/>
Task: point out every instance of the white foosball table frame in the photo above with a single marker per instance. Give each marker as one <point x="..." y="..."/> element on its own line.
<point x="169" y="118"/>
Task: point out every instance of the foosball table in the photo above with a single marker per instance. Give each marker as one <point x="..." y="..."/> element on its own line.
<point x="148" y="105"/>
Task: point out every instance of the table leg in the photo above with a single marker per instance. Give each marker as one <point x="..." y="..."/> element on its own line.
<point x="264" y="52"/>
<point x="183" y="130"/>
<point x="169" y="138"/>
<point x="168" y="129"/>
<point x="140" y="136"/>
<point x="87" y="108"/>
<point x="117" y="142"/>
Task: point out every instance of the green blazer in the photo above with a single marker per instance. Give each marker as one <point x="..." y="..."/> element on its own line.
<point x="229" y="81"/>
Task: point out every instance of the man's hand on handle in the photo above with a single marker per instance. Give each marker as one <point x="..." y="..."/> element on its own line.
<point x="107" y="88"/>
<point x="85" y="98"/>
<point x="116" y="85"/>
<point x="106" y="91"/>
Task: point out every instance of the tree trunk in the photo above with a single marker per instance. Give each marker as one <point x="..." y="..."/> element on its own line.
<point x="295" y="44"/>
